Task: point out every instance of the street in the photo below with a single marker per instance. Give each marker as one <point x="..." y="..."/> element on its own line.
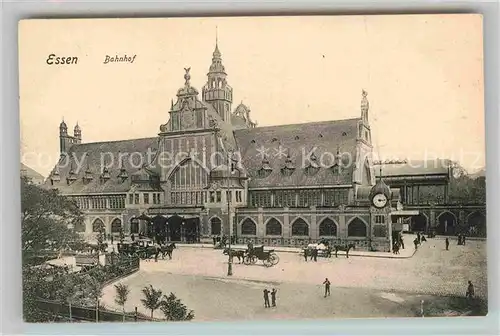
<point x="361" y="286"/>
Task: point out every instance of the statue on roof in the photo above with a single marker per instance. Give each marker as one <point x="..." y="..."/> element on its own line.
<point x="187" y="76"/>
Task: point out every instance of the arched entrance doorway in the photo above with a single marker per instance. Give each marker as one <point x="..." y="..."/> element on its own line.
<point x="418" y="223"/>
<point x="175" y="228"/>
<point x="215" y="226"/>
<point x="159" y="228"/>
<point x="356" y="228"/>
<point x="192" y="229"/>
<point x="447" y="223"/>
<point x="476" y="224"/>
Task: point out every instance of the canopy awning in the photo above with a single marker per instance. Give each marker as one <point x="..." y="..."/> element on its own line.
<point x="405" y="213"/>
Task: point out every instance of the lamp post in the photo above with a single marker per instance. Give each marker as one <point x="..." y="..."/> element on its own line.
<point x="228" y="196"/>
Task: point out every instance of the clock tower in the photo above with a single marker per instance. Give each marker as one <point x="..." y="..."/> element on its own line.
<point x="380" y="216"/>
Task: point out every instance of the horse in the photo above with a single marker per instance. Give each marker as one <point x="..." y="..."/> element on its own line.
<point x="240" y="254"/>
<point x="344" y="248"/>
<point x="167" y="249"/>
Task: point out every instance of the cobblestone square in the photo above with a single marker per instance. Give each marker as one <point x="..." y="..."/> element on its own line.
<point x="361" y="286"/>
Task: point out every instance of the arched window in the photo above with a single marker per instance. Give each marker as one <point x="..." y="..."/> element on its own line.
<point x="300" y="228"/>
<point x="273" y="227"/>
<point x="98" y="225"/>
<point x="248" y="227"/>
<point x="215" y="225"/>
<point x="327" y="227"/>
<point x="366" y="174"/>
<point x="356" y="228"/>
<point x="116" y="225"/>
<point x="134" y="225"/>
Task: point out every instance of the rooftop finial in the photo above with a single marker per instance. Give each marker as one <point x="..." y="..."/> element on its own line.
<point x="187" y="76"/>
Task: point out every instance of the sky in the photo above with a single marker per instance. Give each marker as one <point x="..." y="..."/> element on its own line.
<point x="423" y="75"/>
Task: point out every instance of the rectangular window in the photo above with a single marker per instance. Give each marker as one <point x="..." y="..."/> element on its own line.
<point x="146" y="198"/>
<point x="212" y="197"/>
<point x="229" y="195"/>
<point x="199" y="119"/>
<point x="380" y="219"/>
<point x="219" y="197"/>
<point x="136" y="198"/>
<point x="238" y="196"/>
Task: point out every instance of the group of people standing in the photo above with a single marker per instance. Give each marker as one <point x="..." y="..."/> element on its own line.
<point x="221" y="240"/>
<point x="273" y="298"/>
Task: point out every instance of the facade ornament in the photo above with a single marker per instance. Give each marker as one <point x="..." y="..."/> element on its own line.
<point x="187" y="76"/>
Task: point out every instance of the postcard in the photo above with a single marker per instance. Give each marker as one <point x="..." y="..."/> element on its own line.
<point x="252" y="168"/>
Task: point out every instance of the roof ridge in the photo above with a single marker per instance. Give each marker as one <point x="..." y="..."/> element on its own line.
<point x="308" y="123"/>
<point x="113" y="141"/>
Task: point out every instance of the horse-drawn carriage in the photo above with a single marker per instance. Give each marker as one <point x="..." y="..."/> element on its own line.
<point x="324" y="249"/>
<point x="269" y="258"/>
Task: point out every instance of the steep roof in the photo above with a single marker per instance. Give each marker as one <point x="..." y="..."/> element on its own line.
<point x="134" y="153"/>
<point x="298" y="140"/>
<point x="414" y="168"/>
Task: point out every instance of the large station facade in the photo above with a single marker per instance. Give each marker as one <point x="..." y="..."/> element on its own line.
<point x="210" y="171"/>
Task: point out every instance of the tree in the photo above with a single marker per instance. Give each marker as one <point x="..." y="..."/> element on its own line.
<point x="152" y="298"/>
<point x="45" y="215"/>
<point x="174" y="309"/>
<point x="121" y="297"/>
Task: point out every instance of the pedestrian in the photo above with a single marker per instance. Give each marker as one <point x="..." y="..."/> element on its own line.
<point x="266" y="298"/>
<point x="447" y="243"/>
<point x="470" y="291"/>
<point x="273" y="297"/>
<point x="415" y="242"/>
<point x="306" y="250"/>
<point x="315" y="254"/>
<point x="111" y="236"/>
<point x="214" y="240"/>
<point x="463" y="239"/>
<point x="132" y="237"/>
<point x="327" y="287"/>
<point x="401" y="242"/>
<point x="157" y="247"/>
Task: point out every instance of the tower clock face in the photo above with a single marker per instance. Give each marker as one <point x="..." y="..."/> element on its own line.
<point x="379" y="200"/>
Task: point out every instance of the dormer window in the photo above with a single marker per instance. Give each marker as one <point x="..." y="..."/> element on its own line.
<point x="123" y="174"/>
<point x="312" y="167"/>
<point x="55" y="177"/>
<point x="105" y="175"/>
<point x="337" y="167"/>
<point x="266" y="168"/>
<point x="87" y="177"/>
<point x="288" y="168"/>
<point x="71" y="176"/>
<point x="274" y="139"/>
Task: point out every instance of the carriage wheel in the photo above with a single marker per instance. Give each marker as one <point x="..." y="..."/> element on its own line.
<point x="253" y="259"/>
<point x="274" y="258"/>
<point x="267" y="262"/>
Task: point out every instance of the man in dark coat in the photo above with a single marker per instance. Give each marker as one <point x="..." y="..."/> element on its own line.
<point x="315" y="254"/>
<point x="447" y="243"/>
<point x="470" y="290"/>
<point x="327" y="287"/>
<point x="273" y="297"/>
<point x="266" y="299"/>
